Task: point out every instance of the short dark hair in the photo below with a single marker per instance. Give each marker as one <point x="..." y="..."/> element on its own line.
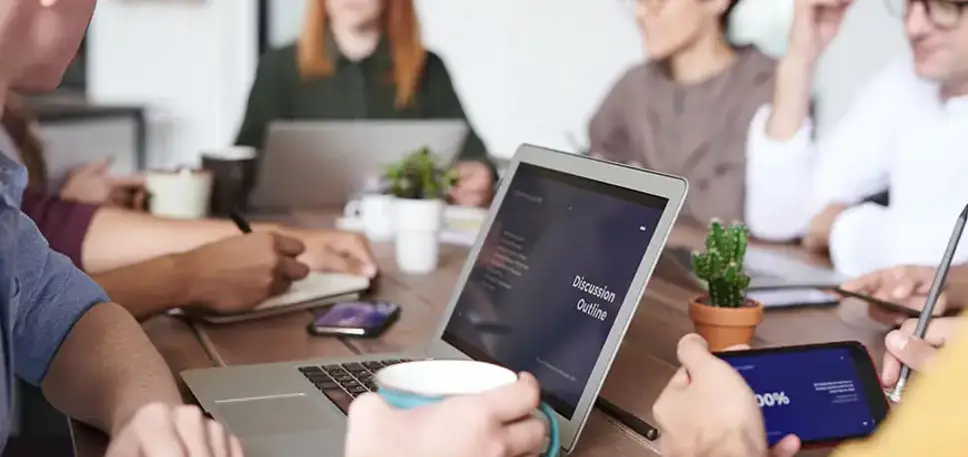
<point x="727" y="13"/>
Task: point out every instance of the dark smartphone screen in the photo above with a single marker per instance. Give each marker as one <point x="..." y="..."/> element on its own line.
<point x="823" y="393"/>
<point x="363" y="318"/>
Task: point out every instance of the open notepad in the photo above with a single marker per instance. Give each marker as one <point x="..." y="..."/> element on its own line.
<point x="315" y="290"/>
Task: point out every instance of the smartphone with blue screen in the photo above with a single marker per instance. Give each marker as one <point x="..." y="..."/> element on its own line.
<point x="823" y="393"/>
<point x="366" y="319"/>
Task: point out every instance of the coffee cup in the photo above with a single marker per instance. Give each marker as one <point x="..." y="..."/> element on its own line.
<point x="413" y="384"/>
<point x="375" y="213"/>
<point x="233" y="171"/>
<point x="179" y="194"/>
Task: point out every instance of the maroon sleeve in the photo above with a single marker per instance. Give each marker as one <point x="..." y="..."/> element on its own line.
<point x="64" y="223"/>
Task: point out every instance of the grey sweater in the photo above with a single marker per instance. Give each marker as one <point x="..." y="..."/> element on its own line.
<point x="697" y="131"/>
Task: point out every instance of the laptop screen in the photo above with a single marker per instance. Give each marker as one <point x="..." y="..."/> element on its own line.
<point x="548" y="282"/>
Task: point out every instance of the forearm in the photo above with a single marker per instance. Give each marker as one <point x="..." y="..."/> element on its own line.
<point x="169" y="286"/>
<point x="118" y="237"/>
<point x="791" y="98"/>
<point x="106" y="369"/>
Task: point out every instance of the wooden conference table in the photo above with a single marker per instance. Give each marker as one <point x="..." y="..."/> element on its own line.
<point x="646" y="360"/>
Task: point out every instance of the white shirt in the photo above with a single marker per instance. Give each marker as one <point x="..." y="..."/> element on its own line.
<point x="899" y="135"/>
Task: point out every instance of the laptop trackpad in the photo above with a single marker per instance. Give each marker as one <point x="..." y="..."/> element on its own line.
<point x="274" y="416"/>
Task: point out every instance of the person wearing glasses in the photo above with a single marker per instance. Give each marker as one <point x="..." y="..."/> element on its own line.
<point x="905" y="133"/>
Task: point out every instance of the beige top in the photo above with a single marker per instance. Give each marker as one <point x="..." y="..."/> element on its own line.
<point x="697" y="131"/>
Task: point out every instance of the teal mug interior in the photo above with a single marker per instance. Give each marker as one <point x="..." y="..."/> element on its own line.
<point x="402" y="396"/>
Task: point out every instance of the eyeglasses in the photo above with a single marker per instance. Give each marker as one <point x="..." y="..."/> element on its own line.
<point x="944" y="14"/>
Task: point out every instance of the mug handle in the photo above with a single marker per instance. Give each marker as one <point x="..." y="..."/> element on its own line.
<point x="553" y="444"/>
<point x="352" y="209"/>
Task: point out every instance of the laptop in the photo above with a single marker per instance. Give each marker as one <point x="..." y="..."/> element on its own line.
<point x="549" y="287"/>
<point x="771" y="270"/>
<point x="311" y="164"/>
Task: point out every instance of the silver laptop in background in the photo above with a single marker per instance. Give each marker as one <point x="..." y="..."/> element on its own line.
<point x="550" y="286"/>
<point x="772" y="270"/>
<point x="312" y="164"/>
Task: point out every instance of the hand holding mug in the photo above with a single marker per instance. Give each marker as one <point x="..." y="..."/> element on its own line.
<point x="492" y="423"/>
<point x="92" y="183"/>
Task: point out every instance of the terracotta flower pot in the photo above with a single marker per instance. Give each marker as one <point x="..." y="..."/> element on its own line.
<point x="725" y="327"/>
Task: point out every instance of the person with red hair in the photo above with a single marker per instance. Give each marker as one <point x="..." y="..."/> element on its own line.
<point x="363" y="59"/>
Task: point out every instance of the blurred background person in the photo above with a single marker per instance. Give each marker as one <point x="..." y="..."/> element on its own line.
<point x="904" y="133"/>
<point x="363" y="59"/>
<point x="687" y="109"/>
<point x="104" y="235"/>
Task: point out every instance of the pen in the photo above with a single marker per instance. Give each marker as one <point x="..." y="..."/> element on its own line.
<point x="240" y="222"/>
<point x="628" y="419"/>
<point x="936" y="285"/>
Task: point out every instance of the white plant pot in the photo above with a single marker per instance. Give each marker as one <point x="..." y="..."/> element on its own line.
<point x="417" y="224"/>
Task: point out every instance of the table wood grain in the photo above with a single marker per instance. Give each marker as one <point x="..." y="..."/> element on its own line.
<point x="645" y="362"/>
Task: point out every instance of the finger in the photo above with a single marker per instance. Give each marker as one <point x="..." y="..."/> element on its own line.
<point x="909" y="350"/>
<point x="890" y="370"/>
<point x="156" y="434"/>
<point x="515" y="401"/>
<point x="693" y="353"/>
<point x="680" y="380"/>
<point x="218" y="439"/>
<point x="278" y="286"/>
<point x="192" y="430"/>
<point x="358" y="249"/>
<point x="235" y="446"/>
<point x="291" y="269"/>
<point x="525" y="437"/>
<point x="863" y="284"/>
<point x="132" y="181"/>
<point x="99" y="166"/>
<point x="288" y="246"/>
<point x="789" y="446"/>
<point x="903" y="288"/>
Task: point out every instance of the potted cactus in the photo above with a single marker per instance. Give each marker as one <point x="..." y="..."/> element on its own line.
<point x="724" y="316"/>
<point x="420" y="187"/>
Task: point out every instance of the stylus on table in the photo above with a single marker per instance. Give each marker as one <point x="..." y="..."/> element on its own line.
<point x="933" y="293"/>
<point x="628" y="419"/>
<point x="240" y="222"/>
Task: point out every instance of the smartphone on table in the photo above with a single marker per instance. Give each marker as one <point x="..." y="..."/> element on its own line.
<point x="823" y="393"/>
<point x="366" y="319"/>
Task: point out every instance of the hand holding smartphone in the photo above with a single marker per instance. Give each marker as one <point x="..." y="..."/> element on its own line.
<point x="823" y="393"/>
<point x="366" y="319"/>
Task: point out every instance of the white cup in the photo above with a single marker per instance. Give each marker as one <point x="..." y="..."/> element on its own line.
<point x="417" y="224"/>
<point x="375" y="211"/>
<point x="179" y="194"/>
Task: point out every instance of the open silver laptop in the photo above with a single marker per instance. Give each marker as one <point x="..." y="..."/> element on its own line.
<point x="308" y="164"/>
<point x="549" y="287"/>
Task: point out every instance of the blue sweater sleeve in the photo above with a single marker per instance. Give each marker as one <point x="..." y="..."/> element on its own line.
<point x="53" y="295"/>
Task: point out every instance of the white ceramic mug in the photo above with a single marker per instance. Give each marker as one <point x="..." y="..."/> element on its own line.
<point x="417" y="224"/>
<point x="179" y="194"/>
<point x="375" y="212"/>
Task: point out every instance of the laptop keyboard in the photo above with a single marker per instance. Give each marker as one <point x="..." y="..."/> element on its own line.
<point x="342" y="382"/>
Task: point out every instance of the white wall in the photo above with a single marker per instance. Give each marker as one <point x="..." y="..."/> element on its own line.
<point x="526" y="70"/>
<point x="191" y="62"/>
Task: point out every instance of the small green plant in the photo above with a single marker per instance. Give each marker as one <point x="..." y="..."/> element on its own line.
<point x="721" y="266"/>
<point x="418" y="176"/>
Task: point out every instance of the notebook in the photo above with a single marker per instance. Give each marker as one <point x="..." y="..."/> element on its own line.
<point x="313" y="291"/>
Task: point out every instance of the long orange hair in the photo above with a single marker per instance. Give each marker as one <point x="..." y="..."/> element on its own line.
<point x="401" y="29"/>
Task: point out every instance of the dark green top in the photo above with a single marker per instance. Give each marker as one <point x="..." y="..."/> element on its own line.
<point x="356" y="90"/>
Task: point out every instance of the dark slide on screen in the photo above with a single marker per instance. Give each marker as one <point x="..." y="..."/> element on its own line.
<point x="551" y="276"/>
<point x="818" y="395"/>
